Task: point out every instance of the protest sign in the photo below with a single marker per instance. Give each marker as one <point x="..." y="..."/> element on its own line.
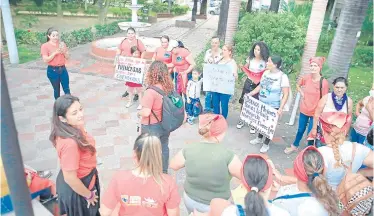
<point x="219" y="78"/>
<point x="130" y="69"/>
<point x="259" y="115"/>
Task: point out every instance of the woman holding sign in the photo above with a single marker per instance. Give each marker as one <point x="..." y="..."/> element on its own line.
<point x="184" y="63"/>
<point x="254" y="69"/>
<point x="124" y="49"/>
<point x="162" y="53"/>
<point x="220" y="100"/>
<point x="55" y="53"/>
<point x="273" y="90"/>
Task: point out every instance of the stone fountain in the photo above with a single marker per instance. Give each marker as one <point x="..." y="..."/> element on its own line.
<point x="105" y="49"/>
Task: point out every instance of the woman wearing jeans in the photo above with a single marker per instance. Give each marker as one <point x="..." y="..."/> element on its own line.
<point x="55" y="53"/>
<point x="151" y="112"/>
<point x="311" y="87"/>
<point x="273" y="90"/>
<point x="221" y="101"/>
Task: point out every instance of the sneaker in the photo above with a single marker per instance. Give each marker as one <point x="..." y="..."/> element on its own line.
<point x="240" y="124"/>
<point x="256" y="141"/>
<point x="265" y="148"/>
<point x="139" y="107"/>
<point x="125" y="94"/>
<point x="190" y="120"/>
<point x="44" y="174"/>
<point x="129" y="104"/>
<point x="290" y="150"/>
<point x="252" y="130"/>
<point x="136" y="97"/>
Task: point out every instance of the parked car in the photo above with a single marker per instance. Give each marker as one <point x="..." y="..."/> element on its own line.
<point x="214" y="10"/>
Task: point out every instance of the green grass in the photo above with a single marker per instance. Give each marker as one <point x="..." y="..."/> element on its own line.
<point x="26" y="53"/>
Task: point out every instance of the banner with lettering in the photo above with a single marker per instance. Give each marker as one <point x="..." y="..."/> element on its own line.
<point x="259" y="115"/>
<point x="130" y="69"/>
<point x="219" y="78"/>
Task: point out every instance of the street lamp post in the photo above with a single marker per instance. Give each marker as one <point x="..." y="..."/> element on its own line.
<point x="9" y="32"/>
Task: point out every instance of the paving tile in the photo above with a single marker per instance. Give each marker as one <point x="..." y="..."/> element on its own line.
<point x="105" y="151"/>
<point x="43" y="127"/>
<point x="99" y="132"/>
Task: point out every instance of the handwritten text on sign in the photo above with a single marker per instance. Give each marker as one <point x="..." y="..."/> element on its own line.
<point x="259" y="115"/>
<point x="219" y="78"/>
<point x="130" y="69"/>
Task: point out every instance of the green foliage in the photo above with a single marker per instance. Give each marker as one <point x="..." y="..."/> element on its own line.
<point x="92" y="11"/>
<point x="363" y="56"/>
<point x="179" y="9"/>
<point x="367" y="26"/>
<point x="69" y="39"/>
<point x="325" y="40"/>
<point x="83" y="36"/>
<point x="282" y="32"/>
<point x="159" y="7"/>
<point x="120" y="12"/>
<point x="105" y="30"/>
<point x="26" y="36"/>
<point x="28" y="21"/>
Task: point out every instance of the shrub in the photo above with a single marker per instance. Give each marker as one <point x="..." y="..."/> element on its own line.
<point x="25" y="36"/>
<point x="325" y="40"/>
<point x="69" y="39"/>
<point x="82" y="36"/>
<point x="282" y="32"/>
<point x="363" y="56"/>
<point x="107" y="29"/>
<point x="179" y="10"/>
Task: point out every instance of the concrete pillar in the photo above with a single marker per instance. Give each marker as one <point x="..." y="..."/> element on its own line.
<point x="9" y="32"/>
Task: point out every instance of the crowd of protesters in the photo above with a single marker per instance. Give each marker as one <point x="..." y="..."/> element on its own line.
<point x="320" y="170"/>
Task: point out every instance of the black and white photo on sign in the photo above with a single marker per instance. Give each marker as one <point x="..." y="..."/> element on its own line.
<point x="130" y="69"/>
<point x="219" y="78"/>
<point x="260" y="116"/>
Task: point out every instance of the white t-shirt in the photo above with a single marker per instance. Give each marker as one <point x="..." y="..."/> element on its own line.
<point x="334" y="174"/>
<point x="272" y="210"/>
<point x="256" y="66"/>
<point x="194" y="88"/>
<point x="299" y="206"/>
<point x="271" y="88"/>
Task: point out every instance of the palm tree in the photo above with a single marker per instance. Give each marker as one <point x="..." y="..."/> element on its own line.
<point x="232" y="20"/>
<point x="194" y="10"/>
<point x="222" y="22"/>
<point x="248" y="8"/>
<point x="312" y="36"/>
<point x="346" y="36"/>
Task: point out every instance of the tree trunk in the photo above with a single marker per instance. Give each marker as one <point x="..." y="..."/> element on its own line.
<point x="194" y="11"/>
<point x="249" y="6"/>
<point x="232" y="21"/>
<point x="274" y="6"/>
<point x="203" y="7"/>
<point x="85" y="5"/>
<point x="345" y="40"/>
<point x="59" y="9"/>
<point x="107" y="3"/>
<point x="101" y="11"/>
<point x="314" y="31"/>
<point x="222" y="22"/>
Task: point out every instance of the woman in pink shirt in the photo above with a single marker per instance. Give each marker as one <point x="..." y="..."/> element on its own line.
<point x="55" y="53"/>
<point x="162" y="53"/>
<point x="144" y="190"/>
<point x="312" y="88"/>
<point x="124" y="49"/>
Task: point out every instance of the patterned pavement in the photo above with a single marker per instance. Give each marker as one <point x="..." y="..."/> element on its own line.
<point x="107" y="119"/>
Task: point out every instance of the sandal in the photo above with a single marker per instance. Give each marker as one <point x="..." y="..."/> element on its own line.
<point x="290" y="150"/>
<point x="129" y="104"/>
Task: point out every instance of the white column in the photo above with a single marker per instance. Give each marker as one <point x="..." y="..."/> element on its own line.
<point x="9" y="32"/>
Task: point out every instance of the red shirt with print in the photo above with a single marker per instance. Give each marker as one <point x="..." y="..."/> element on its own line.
<point x="141" y="196"/>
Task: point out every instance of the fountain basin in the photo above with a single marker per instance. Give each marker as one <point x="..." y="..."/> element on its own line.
<point x="105" y="49"/>
<point x="138" y="26"/>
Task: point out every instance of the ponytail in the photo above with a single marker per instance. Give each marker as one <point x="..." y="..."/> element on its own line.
<point x="254" y="204"/>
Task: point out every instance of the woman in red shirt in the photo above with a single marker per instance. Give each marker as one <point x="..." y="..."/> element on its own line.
<point x="151" y="113"/>
<point x="55" y="53"/>
<point x="145" y="190"/>
<point x="124" y="49"/>
<point x="77" y="183"/>
<point x="184" y="63"/>
<point x="162" y="53"/>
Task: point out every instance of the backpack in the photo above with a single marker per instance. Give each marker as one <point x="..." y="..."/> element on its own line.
<point x="172" y="115"/>
<point x="355" y="192"/>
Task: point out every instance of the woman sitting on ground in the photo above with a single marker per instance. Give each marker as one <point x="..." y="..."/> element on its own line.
<point x="209" y="165"/>
<point x="145" y="190"/>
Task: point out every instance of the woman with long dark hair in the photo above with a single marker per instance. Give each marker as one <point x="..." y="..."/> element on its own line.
<point x="77" y="183"/>
<point x="151" y="112"/>
<point x="254" y="68"/>
<point x="144" y="190"/>
<point x="55" y="53"/>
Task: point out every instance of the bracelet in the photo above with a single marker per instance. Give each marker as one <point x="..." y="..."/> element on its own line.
<point x="91" y="196"/>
